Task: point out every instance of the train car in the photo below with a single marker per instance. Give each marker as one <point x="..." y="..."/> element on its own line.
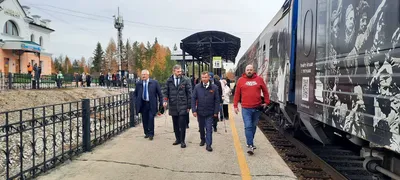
<point x="333" y="67"/>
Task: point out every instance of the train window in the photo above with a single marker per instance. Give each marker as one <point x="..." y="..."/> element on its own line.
<point x="307" y="32"/>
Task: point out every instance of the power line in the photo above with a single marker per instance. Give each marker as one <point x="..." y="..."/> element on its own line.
<point x="127" y="21"/>
<point x="60" y="19"/>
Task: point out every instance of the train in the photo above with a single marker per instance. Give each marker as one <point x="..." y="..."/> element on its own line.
<point x="332" y="68"/>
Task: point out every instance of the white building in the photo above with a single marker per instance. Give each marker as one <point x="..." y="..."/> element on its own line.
<point x="24" y="39"/>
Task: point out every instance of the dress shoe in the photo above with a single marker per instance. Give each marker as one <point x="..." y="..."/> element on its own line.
<point x="209" y="148"/>
<point x="183" y="145"/>
<point x="146" y="136"/>
<point x="202" y="143"/>
<point x="176" y="143"/>
<point x="151" y="138"/>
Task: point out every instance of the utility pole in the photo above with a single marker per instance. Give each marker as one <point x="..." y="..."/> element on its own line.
<point x="119" y="25"/>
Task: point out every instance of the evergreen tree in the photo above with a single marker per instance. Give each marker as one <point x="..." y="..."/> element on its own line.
<point x="98" y="57"/>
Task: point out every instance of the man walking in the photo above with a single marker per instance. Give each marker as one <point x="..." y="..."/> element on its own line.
<point x="215" y="81"/>
<point x="205" y="106"/>
<point x="147" y="92"/>
<point x="248" y="91"/>
<point x="177" y="93"/>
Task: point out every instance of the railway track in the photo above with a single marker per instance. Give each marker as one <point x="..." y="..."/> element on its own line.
<point x="311" y="160"/>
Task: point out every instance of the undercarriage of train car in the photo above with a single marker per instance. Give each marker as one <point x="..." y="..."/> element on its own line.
<point x="378" y="160"/>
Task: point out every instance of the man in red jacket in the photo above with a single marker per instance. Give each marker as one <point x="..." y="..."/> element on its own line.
<point x="248" y="91"/>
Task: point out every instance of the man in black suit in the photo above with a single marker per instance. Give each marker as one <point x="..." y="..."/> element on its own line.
<point x="147" y="92"/>
<point x="177" y="93"/>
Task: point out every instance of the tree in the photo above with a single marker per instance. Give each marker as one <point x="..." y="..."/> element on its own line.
<point x="128" y="57"/>
<point x="58" y="64"/>
<point x="68" y="66"/>
<point x="98" y="57"/>
<point x="110" y="62"/>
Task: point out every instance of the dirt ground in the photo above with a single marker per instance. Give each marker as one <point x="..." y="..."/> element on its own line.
<point x="20" y="99"/>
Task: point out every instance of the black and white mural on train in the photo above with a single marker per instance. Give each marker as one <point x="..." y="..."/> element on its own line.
<point x="358" y="67"/>
<point x="278" y="67"/>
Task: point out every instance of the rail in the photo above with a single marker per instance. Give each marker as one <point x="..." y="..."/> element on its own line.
<point x="328" y="169"/>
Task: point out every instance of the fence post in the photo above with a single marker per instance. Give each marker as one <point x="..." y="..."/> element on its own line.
<point x="132" y="109"/>
<point x="10" y="80"/>
<point x="86" y="125"/>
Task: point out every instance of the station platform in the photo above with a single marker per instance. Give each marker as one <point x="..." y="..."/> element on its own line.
<point x="131" y="156"/>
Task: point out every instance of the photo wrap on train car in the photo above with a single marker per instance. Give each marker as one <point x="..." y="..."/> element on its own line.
<point x="278" y="68"/>
<point x="358" y="66"/>
<point x="305" y="57"/>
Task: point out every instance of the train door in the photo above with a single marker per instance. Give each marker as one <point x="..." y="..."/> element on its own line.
<point x="305" y="65"/>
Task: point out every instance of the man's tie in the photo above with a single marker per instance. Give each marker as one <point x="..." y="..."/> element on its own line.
<point x="145" y="91"/>
<point x="176" y="83"/>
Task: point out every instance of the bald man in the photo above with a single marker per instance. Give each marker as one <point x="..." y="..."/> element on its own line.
<point x="248" y="91"/>
<point x="147" y="93"/>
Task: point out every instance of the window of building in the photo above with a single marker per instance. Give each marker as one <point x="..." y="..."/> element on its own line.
<point x="32" y="38"/>
<point x="10" y="28"/>
<point x="41" y="41"/>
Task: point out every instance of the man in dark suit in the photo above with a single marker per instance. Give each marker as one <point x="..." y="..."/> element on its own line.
<point x="177" y="94"/>
<point x="147" y="92"/>
<point x="205" y="106"/>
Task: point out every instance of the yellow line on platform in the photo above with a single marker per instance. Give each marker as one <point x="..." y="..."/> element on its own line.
<point x="244" y="168"/>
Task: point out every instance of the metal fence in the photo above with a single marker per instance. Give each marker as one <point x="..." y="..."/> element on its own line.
<point x="26" y="81"/>
<point x="34" y="140"/>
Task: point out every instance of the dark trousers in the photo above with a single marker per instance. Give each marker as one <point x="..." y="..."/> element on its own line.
<point x="147" y="118"/>
<point x="225" y="111"/>
<point x="205" y="122"/>
<point x="187" y="120"/>
<point x="215" y="122"/>
<point x="179" y="123"/>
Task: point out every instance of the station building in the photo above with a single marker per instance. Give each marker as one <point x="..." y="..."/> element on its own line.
<point x="24" y="39"/>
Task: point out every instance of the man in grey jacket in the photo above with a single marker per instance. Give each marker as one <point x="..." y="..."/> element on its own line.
<point x="177" y="93"/>
<point x="205" y="106"/>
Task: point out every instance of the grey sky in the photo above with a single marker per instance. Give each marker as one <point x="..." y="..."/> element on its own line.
<point x="77" y="37"/>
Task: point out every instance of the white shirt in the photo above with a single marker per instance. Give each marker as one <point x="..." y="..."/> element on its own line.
<point x="208" y="84"/>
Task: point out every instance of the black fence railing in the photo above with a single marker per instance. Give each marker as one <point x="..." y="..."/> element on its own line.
<point x="34" y="140"/>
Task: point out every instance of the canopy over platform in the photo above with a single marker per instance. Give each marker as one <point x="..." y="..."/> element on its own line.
<point x="204" y="45"/>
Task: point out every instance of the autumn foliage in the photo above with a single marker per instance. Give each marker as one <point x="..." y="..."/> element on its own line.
<point x="134" y="58"/>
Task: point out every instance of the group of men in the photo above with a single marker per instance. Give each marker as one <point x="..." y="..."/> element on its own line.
<point x="204" y="101"/>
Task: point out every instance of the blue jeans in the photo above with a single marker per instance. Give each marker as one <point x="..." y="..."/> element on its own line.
<point x="250" y="119"/>
<point x="206" y="122"/>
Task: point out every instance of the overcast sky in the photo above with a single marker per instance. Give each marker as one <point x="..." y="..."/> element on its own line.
<point x="76" y="34"/>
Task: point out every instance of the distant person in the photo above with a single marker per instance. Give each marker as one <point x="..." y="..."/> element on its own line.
<point x="177" y="94"/>
<point x="216" y="82"/>
<point x="101" y="80"/>
<point x="30" y="68"/>
<point x="60" y="78"/>
<point x="147" y="93"/>
<point x="88" y="79"/>
<point x="226" y="94"/>
<point x="205" y="106"/>
<point x="38" y="72"/>
<point x="248" y="91"/>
